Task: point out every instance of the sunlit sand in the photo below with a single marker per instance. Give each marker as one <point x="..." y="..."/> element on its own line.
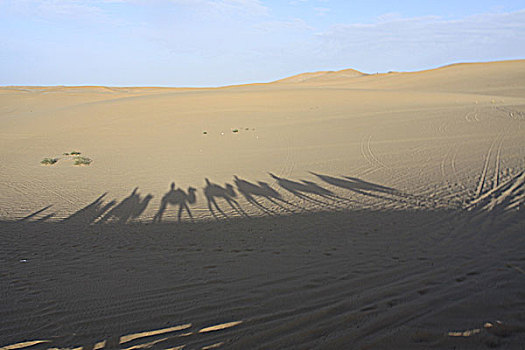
<point x="325" y="210"/>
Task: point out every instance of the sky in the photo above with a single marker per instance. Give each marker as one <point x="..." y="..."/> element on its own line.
<point x="198" y="43"/>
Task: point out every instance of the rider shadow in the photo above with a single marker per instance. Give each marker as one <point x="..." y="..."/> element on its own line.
<point x="227" y="193"/>
<point x="90" y="213"/>
<point x="308" y="191"/>
<point x="176" y="197"/>
<point x="130" y="208"/>
<point x="251" y="192"/>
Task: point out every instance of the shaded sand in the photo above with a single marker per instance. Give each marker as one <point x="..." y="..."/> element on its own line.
<point x="326" y="210"/>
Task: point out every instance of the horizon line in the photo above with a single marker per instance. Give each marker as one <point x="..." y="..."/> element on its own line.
<point x="260" y="83"/>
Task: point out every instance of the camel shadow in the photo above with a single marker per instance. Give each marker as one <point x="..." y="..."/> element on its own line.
<point x="308" y="191"/>
<point x="128" y="209"/>
<point x="177" y="197"/>
<point x="253" y="191"/>
<point x="214" y="191"/>
<point x="37" y="213"/>
<point x="362" y="187"/>
<point x="91" y="212"/>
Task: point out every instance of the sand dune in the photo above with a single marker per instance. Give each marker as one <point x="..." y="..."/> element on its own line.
<point x="323" y="76"/>
<point x="326" y="210"/>
<point x="493" y="78"/>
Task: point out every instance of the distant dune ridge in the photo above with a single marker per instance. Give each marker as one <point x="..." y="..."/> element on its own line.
<point x="322" y="76"/>
<point x="324" y="210"/>
<point x="459" y="77"/>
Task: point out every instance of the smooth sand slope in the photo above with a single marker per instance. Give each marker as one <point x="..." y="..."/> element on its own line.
<point x="326" y="210"/>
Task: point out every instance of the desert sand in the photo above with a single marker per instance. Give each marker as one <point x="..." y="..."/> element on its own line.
<point x="325" y="210"/>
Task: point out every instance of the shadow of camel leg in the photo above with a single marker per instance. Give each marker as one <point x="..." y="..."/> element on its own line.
<point x="160" y="212"/>
<point x="179" y="214"/>
<point x="210" y="208"/>
<point x="255" y="203"/>
<point x="188" y="211"/>
<point x="236" y="207"/>
<point x="219" y="208"/>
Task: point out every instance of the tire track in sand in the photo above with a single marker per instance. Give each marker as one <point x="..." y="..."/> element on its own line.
<point x="483" y="176"/>
<point x="365" y="155"/>
<point x="455" y="172"/>
<point x="447" y="164"/>
<point x="496" y="172"/>
<point x="366" y="152"/>
<point x="372" y="155"/>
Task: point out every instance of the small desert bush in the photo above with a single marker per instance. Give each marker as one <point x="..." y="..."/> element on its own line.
<point x="82" y="161"/>
<point x="75" y="153"/>
<point x="49" y="161"/>
<point x="235" y="130"/>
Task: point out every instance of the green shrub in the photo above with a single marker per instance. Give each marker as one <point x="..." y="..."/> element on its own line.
<point x="82" y="161"/>
<point x="235" y="130"/>
<point x="49" y="161"/>
<point x="75" y="153"/>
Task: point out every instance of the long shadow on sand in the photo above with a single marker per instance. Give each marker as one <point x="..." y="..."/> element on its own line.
<point x="357" y="185"/>
<point x="310" y="192"/>
<point x="90" y="213"/>
<point x="128" y="209"/>
<point x="252" y="192"/>
<point x="213" y="191"/>
<point x="32" y="216"/>
<point x="368" y="189"/>
<point x="347" y="279"/>
<point x="176" y="197"/>
<point x="99" y="212"/>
